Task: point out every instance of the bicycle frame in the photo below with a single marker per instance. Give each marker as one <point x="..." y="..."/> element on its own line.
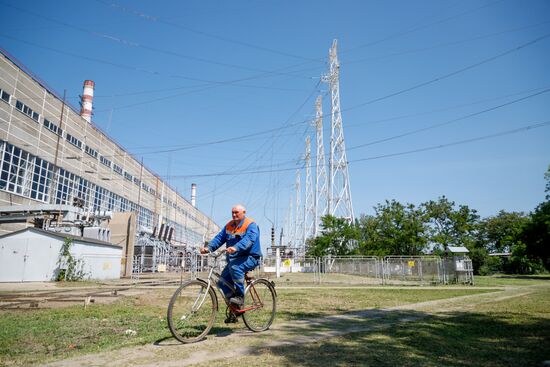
<point x="213" y="275"/>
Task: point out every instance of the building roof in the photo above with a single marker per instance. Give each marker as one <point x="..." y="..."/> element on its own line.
<point x="61" y="236"/>
<point x="457" y="249"/>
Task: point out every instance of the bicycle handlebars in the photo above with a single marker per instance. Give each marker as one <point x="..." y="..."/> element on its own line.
<point x="215" y="254"/>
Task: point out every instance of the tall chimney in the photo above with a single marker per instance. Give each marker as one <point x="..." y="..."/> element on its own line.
<point x="87" y="98"/>
<point x="194" y="195"/>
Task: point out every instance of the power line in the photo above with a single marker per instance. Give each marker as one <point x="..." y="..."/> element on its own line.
<point x="439" y="146"/>
<point x="460" y="142"/>
<point x="419" y="27"/>
<point x="448" y="122"/>
<point x="148" y="47"/>
<point x="446" y="44"/>
<point x="157" y="19"/>
<point x="419" y="85"/>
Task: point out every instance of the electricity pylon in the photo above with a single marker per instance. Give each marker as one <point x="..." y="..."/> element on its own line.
<point x="298" y="228"/>
<point x="321" y="188"/>
<point x="309" y="209"/>
<point x="339" y="202"/>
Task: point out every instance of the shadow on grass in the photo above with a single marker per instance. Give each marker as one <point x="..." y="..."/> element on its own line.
<point x="411" y="338"/>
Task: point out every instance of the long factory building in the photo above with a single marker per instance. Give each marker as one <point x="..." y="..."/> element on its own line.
<point x="51" y="153"/>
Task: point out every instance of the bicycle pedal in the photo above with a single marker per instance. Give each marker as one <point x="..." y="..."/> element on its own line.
<point x="231" y="319"/>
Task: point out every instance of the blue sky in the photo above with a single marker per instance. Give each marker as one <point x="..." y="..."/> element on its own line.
<point x="175" y="75"/>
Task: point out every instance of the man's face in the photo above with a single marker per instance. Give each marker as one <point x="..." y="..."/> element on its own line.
<point x="237" y="213"/>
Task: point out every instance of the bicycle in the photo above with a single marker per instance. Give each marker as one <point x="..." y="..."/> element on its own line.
<point x="193" y="307"/>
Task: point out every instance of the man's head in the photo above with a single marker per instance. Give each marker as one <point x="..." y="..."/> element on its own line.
<point x="238" y="212"/>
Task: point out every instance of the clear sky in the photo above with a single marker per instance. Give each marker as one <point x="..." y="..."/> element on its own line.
<point x="180" y="75"/>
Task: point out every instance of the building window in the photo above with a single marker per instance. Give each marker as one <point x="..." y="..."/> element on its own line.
<point x="92" y="152"/>
<point x="16" y="174"/>
<point x="66" y="184"/>
<point x="27" y="110"/>
<point x="117" y="168"/>
<point x="74" y="141"/>
<point x="42" y="178"/>
<point x="105" y="161"/>
<point x="101" y="198"/>
<point x="137" y="181"/>
<point x="128" y="176"/>
<point x="5" y="96"/>
<point x="53" y="127"/>
<point x="144" y="186"/>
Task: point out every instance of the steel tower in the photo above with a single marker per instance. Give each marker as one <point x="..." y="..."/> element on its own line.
<point x="299" y="225"/>
<point x="309" y="208"/>
<point x="321" y="188"/>
<point x="339" y="202"/>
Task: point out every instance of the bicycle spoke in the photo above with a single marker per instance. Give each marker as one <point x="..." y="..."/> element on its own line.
<point x="191" y="312"/>
<point x="260" y="306"/>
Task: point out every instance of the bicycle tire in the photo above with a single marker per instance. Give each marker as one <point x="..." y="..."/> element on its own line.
<point x="188" y="325"/>
<point x="260" y="303"/>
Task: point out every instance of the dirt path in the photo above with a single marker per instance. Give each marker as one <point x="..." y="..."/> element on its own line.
<point x="169" y="353"/>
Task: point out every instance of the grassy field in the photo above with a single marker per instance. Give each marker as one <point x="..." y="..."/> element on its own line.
<point x="518" y="328"/>
<point x="515" y="333"/>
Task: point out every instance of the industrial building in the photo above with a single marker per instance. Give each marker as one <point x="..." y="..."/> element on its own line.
<point x="52" y="154"/>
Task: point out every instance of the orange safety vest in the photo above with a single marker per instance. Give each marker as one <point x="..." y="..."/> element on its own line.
<point x="233" y="229"/>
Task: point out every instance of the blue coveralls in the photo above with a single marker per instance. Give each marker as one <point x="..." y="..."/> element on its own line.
<point x="245" y="237"/>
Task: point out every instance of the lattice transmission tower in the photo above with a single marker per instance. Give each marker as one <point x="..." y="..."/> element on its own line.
<point x="321" y="185"/>
<point x="309" y="201"/>
<point x="339" y="202"/>
<point x="298" y="217"/>
<point x="289" y="224"/>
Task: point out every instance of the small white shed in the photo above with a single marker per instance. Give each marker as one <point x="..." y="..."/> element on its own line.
<point x="32" y="254"/>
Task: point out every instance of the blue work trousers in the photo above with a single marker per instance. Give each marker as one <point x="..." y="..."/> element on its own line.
<point x="234" y="273"/>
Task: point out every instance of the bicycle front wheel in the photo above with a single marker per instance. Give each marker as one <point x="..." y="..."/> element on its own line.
<point x="192" y="311"/>
<point x="260" y="305"/>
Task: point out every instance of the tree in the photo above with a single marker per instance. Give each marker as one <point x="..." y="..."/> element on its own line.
<point x="537" y="235"/>
<point x="448" y="226"/>
<point x="500" y="233"/>
<point x="537" y="232"/>
<point x="338" y="237"/>
<point x="396" y="229"/>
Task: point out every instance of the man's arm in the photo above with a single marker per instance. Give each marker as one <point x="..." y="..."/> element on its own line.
<point x="217" y="241"/>
<point x="248" y="239"/>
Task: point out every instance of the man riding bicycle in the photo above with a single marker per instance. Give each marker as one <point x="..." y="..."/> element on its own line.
<point x="242" y="238"/>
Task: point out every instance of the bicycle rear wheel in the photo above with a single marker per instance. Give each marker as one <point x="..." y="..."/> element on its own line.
<point x="260" y="303"/>
<point x="192" y="311"/>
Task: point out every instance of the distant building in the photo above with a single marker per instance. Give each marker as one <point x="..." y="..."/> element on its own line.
<point x="50" y="153"/>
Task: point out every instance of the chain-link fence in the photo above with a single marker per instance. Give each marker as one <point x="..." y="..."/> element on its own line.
<point x="345" y="270"/>
<point x="391" y="270"/>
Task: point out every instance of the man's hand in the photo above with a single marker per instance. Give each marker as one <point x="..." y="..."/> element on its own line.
<point x="205" y="250"/>
<point x="231" y="250"/>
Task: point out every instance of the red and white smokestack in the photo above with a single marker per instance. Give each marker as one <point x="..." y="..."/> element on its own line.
<point x="194" y="195"/>
<point x="87" y="99"/>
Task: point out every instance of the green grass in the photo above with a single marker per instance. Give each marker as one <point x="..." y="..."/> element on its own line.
<point x="35" y="336"/>
<point x="307" y="303"/>
<point x="512" y="332"/>
<point x="28" y="337"/>
<point x="501" y="280"/>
